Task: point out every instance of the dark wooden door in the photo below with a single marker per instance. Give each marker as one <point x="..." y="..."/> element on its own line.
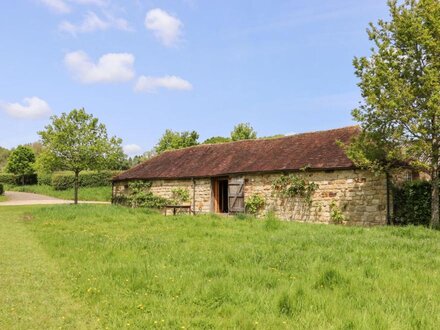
<point x="236" y="195"/>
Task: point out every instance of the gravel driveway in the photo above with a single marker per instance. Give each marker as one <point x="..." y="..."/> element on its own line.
<point x="15" y="198"/>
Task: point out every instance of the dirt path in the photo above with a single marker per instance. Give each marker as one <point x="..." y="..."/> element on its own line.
<point x="15" y="198"/>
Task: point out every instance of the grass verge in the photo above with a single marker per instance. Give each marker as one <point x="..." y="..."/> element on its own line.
<point x="3" y="198"/>
<point x="134" y="268"/>
<point x="98" y="194"/>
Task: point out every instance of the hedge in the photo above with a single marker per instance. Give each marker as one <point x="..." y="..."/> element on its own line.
<point x="8" y="178"/>
<point x="2" y="190"/>
<point x="45" y="179"/>
<point x="412" y="203"/>
<point x="12" y="179"/>
<point x="65" y="180"/>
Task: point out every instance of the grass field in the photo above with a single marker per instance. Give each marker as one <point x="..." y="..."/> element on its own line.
<point x="105" y="266"/>
<point x="99" y="194"/>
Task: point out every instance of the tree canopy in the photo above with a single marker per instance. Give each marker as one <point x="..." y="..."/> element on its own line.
<point x="76" y="141"/>
<point x="400" y="85"/>
<point x="243" y="131"/>
<point x="217" y="139"/>
<point x="21" y="162"/>
<point x="4" y="154"/>
<point x="171" y="140"/>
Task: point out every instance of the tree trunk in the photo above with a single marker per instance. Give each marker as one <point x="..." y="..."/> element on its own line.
<point x="76" y="185"/>
<point x="22" y="180"/>
<point x="435" y="223"/>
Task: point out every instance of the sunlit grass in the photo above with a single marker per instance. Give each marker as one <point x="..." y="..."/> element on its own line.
<point x="141" y="269"/>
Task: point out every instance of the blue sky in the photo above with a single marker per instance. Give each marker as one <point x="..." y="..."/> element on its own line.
<point x="142" y="66"/>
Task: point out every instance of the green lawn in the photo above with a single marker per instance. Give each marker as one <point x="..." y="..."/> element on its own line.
<point x="125" y="268"/>
<point x="99" y="194"/>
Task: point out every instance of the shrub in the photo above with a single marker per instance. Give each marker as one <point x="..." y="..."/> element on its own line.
<point x="140" y="196"/>
<point x="336" y="214"/>
<point x="2" y="190"/>
<point x="412" y="203"/>
<point x="8" y="178"/>
<point x="254" y="204"/>
<point x="65" y="180"/>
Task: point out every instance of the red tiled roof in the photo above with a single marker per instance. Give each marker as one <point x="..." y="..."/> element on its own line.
<point x="316" y="150"/>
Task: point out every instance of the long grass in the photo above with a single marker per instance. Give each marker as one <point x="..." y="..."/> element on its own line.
<point x="99" y="194"/>
<point x="139" y="269"/>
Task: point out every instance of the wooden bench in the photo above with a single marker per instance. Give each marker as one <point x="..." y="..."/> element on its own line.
<point x="178" y="207"/>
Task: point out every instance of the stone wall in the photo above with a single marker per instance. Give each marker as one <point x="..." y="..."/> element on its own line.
<point x="359" y="195"/>
<point x="164" y="188"/>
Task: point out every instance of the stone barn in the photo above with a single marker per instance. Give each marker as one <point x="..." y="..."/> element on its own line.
<point x="303" y="177"/>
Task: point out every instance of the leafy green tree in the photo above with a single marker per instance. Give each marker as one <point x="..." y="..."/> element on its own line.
<point x="217" y="139"/>
<point x="21" y="162"/>
<point x="37" y="147"/>
<point x="243" y="131"/>
<point x="76" y="141"/>
<point x="400" y="85"/>
<point x="171" y="140"/>
<point x="4" y="154"/>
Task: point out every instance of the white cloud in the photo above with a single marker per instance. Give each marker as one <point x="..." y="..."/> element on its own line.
<point x="166" y="28"/>
<point x="110" y="68"/>
<point x="132" y="149"/>
<point x="93" y="22"/>
<point x="151" y="84"/>
<point x="63" y="7"/>
<point x="32" y="108"/>
<point x="58" y="6"/>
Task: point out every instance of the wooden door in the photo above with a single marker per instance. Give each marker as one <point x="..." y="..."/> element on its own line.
<point x="215" y="195"/>
<point x="236" y="195"/>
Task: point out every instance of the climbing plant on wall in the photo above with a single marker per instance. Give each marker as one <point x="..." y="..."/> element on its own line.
<point x="293" y="186"/>
<point x="180" y="195"/>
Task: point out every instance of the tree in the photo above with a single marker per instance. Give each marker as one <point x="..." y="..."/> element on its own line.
<point x="4" y="155"/>
<point x="217" y="139"/>
<point x="37" y="147"/>
<point x="400" y="85"/>
<point x="76" y="142"/>
<point x="243" y="131"/>
<point x="171" y="140"/>
<point x="21" y="162"/>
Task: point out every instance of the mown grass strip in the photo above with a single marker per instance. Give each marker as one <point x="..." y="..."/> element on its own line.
<point x="34" y="293"/>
